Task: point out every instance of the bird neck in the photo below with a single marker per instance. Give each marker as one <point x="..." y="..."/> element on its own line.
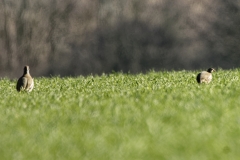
<point x="26" y="72"/>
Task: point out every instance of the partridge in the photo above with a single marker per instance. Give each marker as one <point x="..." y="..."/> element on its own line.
<point x="25" y="82"/>
<point x="205" y="76"/>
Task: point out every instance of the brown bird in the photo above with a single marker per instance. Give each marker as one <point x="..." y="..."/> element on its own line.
<point x="205" y="76"/>
<point x="26" y="81"/>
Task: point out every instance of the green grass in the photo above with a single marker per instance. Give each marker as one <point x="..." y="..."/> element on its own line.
<point x="158" y="115"/>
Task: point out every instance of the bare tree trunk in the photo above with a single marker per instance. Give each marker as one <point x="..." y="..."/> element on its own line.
<point x="20" y="34"/>
<point x="7" y="39"/>
<point x="51" y="40"/>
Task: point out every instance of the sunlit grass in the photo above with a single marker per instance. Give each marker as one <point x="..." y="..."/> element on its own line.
<point x="158" y="115"/>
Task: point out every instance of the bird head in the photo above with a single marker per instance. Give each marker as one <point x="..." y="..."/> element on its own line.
<point x="210" y="70"/>
<point x="26" y="69"/>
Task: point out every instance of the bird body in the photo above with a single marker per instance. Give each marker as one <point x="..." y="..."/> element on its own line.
<point x="205" y="76"/>
<point x="25" y="82"/>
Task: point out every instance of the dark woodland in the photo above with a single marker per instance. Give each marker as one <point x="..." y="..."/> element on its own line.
<point x="82" y="37"/>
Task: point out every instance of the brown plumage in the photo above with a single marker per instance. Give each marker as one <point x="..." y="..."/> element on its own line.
<point x="26" y="81"/>
<point x="205" y="76"/>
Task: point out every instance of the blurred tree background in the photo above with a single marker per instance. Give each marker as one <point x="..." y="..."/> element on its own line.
<point x="73" y="37"/>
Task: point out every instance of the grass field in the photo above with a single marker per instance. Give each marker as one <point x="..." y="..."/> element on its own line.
<point x="158" y="115"/>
